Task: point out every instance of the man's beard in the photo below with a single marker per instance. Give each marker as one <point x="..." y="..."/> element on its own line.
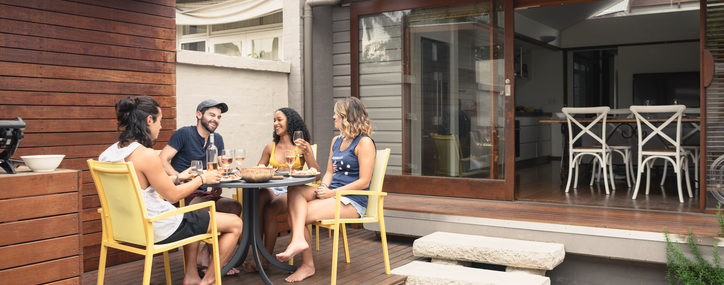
<point x="205" y="124"/>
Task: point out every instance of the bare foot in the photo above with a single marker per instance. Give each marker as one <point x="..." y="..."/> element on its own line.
<point x="207" y="281"/>
<point x="232" y="272"/>
<point x="203" y="258"/>
<point x="302" y="273"/>
<point x="293" y="249"/>
<point x="251" y="266"/>
<point x="191" y="280"/>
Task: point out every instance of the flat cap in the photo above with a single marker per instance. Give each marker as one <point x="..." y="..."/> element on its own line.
<point x="212" y="103"/>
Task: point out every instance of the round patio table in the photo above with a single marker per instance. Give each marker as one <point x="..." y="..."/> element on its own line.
<point x="251" y="234"/>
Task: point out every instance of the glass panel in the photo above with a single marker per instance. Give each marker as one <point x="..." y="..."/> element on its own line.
<point x="452" y="90"/>
<point x="228" y="49"/>
<point x="193" y="29"/>
<point x="195" y="46"/>
<point x="267" y="48"/>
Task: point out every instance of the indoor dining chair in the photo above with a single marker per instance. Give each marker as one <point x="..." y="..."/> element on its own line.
<point x="672" y="152"/>
<point x="374" y="213"/>
<point x="126" y="225"/>
<point x="623" y="150"/>
<point x="599" y="150"/>
<point x="692" y="150"/>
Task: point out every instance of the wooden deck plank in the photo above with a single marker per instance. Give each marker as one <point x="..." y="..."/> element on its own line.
<point x="366" y="265"/>
<point x="615" y="218"/>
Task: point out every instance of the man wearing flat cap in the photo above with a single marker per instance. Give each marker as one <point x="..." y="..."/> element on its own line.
<point x="190" y="143"/>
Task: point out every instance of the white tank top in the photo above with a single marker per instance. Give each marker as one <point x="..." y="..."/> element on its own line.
<point x="155" y="205"/>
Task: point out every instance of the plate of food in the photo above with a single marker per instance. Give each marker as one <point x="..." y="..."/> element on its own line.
<point x="305" y="173"/>
<point x="230" y="178"/>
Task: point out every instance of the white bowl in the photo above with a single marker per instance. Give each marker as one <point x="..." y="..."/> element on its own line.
<point x="43" y="163"/>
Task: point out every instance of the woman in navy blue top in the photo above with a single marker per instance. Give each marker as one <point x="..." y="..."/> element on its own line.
<point x="349" y="167"/>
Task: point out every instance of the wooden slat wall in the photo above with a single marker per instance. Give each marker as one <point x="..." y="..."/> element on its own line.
<point x="64" y="65"/>
<point x="714" y="128"/>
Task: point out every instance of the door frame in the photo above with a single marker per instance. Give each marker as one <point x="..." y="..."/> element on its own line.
<point x="496" y="189"/>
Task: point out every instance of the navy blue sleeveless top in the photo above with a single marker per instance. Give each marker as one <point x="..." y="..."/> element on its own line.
<point x="346" y="168"/>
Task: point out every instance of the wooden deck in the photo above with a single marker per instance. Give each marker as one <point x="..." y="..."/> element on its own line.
<point x="366" y="265"/>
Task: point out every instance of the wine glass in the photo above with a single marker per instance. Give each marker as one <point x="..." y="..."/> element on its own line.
<point x="227" y="158"/>
<point x="290" y="156"/>
<point x="298" y="135"/>
<point x="196" y="167"/>
<point x="239" y="156"/>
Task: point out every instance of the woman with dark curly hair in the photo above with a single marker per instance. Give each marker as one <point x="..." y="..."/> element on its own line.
<point x="274" y="200"/>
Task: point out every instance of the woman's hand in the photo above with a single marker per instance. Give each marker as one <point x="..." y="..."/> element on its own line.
<point x="323" y="192"/>
<point x="211" y="177"/>
<point x="304" y="147"/>
<point x="185" y="175"/>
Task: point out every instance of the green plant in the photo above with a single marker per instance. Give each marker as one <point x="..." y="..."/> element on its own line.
<point x="682" y="270"/>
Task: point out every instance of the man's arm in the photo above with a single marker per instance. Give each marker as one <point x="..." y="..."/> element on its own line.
<point x="166" y="155"/>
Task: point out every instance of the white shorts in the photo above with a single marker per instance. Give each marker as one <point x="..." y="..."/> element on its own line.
<point x="360" y="210"/>
<point x="279" y="190"/>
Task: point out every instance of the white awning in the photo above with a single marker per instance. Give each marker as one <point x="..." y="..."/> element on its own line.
<point x="226" y="11"/>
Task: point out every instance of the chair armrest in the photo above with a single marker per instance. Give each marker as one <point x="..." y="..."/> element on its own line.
<point x="189" y="208"/>
<point x="359" y="192"/>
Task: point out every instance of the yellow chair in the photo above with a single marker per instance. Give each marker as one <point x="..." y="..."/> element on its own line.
<point x="449" y="157"/>
<point x="126" y="225"/>
<point x="374" y="213"/>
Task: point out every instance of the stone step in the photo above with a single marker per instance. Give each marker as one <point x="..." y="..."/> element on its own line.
<point x="420" y="272"/>
<point x="490" y="250"/>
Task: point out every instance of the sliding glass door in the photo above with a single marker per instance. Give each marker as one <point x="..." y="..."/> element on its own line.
<point x="436" y="80"/>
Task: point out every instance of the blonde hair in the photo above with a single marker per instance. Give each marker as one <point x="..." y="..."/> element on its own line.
<point x="354" y="119"/>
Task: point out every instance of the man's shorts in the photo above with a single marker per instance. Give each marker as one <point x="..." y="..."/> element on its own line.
<point x="193" y="223"/>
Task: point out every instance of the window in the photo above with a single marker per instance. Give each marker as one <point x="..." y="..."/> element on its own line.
<point x="194" y="46"/>
<point x="257" y="38"/>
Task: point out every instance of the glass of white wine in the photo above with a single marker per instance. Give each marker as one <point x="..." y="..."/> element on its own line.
<point x="239" y="156"/>
<point x="227" y="158"/>
<point x="196" y="167"/>
<point x="298" y="135"/>
<point x="290" y="156"/>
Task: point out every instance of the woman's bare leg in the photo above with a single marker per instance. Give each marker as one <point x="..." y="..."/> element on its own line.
<point x="306" y="269"/>
<point x="297" y="199"/>
<point x="276" y="206"/>
<point x="317" y="210"/>
<point x="229" y="225"/>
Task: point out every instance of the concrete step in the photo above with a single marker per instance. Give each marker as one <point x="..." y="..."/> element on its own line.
<point x="420" y="272"/>
<point x="491" y="250"/>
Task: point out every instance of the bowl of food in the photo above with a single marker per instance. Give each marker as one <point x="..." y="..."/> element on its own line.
<point x="43" y="163"/>
<point x="256" y="174"/>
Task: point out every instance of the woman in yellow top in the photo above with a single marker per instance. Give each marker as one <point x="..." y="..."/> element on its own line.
<point x="274" y="200"/>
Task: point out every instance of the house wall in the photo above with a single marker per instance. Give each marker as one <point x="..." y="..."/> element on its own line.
<point x="324" y="23"/>
<point x="675" y="57"/>
<point x="543" y="88"/>
<point x="293" y="50"/>
<point x="63" y="67"/>
<point x="252" y="88"/>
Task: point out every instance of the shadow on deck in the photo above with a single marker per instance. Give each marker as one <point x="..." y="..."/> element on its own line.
<point x="366" y="265"/>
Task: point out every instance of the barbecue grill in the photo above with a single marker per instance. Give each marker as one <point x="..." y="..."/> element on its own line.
<point x="11" y="132"/>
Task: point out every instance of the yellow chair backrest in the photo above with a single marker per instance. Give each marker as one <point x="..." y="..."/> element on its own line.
<point x="314" y="151"/>
<point x="378" y="178"/>
<point x="448" y="154"/>
<point x="121" y="200"/>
